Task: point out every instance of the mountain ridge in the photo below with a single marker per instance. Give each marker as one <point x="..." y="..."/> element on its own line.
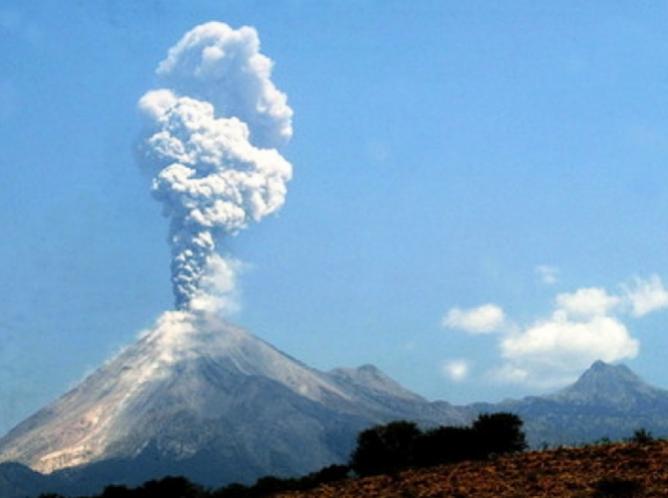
<point x="195" y="396"/>
<point x="210" y="401"/>
<point x="609" y="384"/>
<point x="606" y="401"/>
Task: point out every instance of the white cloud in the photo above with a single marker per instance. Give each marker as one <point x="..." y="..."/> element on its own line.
<point x="584" y="326"/>
<point x="580" y="330"/>
<point x="481" y="320"/>
<point x="549" y="275"/>
<point x="565" y="344"/>
<point x="646" y="296"/>
<point x="456" y="370"/>
<point x="587" y="302"/>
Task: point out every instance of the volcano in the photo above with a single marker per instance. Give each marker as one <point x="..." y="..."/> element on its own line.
<point x="199" y="397"/>
<point x="210" y="401"/>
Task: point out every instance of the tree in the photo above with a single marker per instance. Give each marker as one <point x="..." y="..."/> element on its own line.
<point x="169" y="487"/>
<point x="642" y="436"/>
<point x="326" y="474"/>
<point x="498" y="433"/>
<point x="444" y="445"/>
<point x="398" y="445"/>
<point x="114" y="491"/>
<point x="385" y="448"/>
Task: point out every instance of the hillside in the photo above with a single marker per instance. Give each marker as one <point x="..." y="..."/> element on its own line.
<point x="606" y="401"/>
<point x="211" y="402"/>
<point x="621" y="469"/>
<point x="214" y="403"/>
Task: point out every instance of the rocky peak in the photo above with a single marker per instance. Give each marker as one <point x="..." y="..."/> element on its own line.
<point x="608" y="384"/>
<point x="370" y="378"/>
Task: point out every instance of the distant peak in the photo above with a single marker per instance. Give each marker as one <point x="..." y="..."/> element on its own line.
<point x="369" y="376"/>
<point x="599" y="367"/>
<point x="369" y="368"/>
<point x="604" y="381"/>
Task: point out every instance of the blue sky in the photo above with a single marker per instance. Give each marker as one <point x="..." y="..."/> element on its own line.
<point x="442" y="152"/>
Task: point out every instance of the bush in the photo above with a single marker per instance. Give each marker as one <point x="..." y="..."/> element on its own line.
<point x="327" y="474"/>
<point x="444" y="445"/>
<point x="234" y="490"/>
<point x="641" y="436"/>
<point x="395" y="446"/>
<point x="271" y="484"/>
<point x="498" y="433"/>
<point x="385" y="448"/>
<point x="114" y="491"/>
<point x="169" y="487"/>
<point x="602" y="441"/>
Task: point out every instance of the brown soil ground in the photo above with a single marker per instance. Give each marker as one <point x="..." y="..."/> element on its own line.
<point x="621" y="469"/>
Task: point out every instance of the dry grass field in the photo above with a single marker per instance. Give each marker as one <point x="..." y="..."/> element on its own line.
<point x="611" y="470"/>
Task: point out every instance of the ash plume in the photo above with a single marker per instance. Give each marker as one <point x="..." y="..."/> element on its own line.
<point x="210" y="145"/>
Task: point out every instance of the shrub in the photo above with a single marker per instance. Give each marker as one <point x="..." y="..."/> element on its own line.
<point x="271" y="484"/>
<point x="169" y="487"/>
<point x="234" y="490"/>
<point x="498" y="433"/>
<point x="115" y="491"/>
<point x="398" y="445"/>
<point x="385" y="448"/>
<point x="327" y="474"/>
<point x="444" y="445"/>
<point x="641" y="436"/>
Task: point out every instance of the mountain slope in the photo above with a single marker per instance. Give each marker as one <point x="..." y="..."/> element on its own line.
<point x="615" y="387"/>
<point x="17" y="480"/>
<point x="607" y="401"/>
<point x="211" y="401"/>
<point x="202" y="398"/>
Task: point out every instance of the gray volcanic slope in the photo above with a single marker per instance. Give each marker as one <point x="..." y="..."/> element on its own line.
<point x="213" y="403"/>
<point x="210" y="401"/>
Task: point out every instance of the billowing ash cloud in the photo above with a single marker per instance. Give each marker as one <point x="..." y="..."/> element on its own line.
<point x="210" y="130"/>
<point x="223" y="66"/>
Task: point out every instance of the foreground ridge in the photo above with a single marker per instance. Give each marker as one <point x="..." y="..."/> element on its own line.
<point x="619" y="469"/>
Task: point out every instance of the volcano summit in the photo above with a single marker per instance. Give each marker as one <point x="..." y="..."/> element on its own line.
<point x="199" y="397"/>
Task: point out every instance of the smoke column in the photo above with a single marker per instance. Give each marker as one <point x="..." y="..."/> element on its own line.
<point x="212" y="130"/>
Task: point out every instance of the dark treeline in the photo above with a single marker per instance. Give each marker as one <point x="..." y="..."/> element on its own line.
<point x="380" y="450"/>
<point x="180" y="487"/>
<point x="399" y="445"/>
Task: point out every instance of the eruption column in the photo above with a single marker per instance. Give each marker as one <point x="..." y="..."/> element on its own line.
<point x="210" y="146"/>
